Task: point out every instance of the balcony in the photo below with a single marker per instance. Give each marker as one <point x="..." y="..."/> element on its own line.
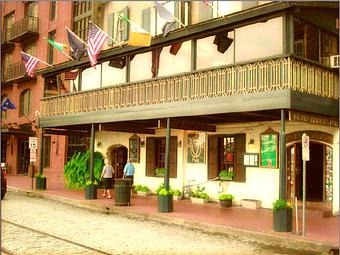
<point x="6" y="45"/>
<point x="15" y="73"/>
<point x="278" y="83"/>
<point x="24" y="29"/>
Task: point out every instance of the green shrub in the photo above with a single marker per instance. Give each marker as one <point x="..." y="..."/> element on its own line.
<point x="204" y="196"/>
<point x="177" y="192"/>
<point x="89" y="183"/>
<point x="144" y="189"/>
<point x="161" y="186"/>
<point x="226" y="174"/>
<point x="226" y="197"/>
<point x="160" y="171"/>
<point x="199" y="193"/>
<point x="138" y="187"/>
<point x="77" y="169"/>
<point x="281" y="204"/>
<point x="164" y="192"/>
<point x="40" y="175"/>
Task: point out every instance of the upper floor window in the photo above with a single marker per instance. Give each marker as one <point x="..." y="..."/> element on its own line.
<point x="25" y="103"/>
<point x="53" y="8"/>
<point x="47" y="151"/>
<point x="51" y="36"/>
<point x="82" y="11"/>
<point x="8" y="22"/>
<point x="30" y="48"/>
<point x="3" y="113"/>
<point x="31" y="9"/>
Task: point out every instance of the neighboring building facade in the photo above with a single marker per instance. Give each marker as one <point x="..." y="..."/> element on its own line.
<point x="25" y="24"/>
<point x="229" y="103"/>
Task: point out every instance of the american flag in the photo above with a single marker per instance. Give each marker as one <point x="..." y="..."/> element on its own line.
<point x="96" y="39"/>
<point x="71" y="75"/>
<point x="30" y="63"/>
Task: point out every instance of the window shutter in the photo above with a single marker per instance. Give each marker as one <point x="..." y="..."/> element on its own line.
<point x="240" y="171"/>
<point x="150" y="156"/>
<point x="212" y="157"/>
<point x="110" y="27"/>
<point x="146" y="19"/>
<point x="173" y="157"/>
<point x="205" y="12"/>
<point x="125" y="34"/>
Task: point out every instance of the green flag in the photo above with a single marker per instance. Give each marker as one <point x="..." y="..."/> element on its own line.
<point x="59" y="46"/>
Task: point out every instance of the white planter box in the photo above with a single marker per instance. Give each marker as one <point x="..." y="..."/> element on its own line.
<point x="180" y="197"/>
<point x="251" y="203"/>
<point x="143" y="193"/>
<point x="199" y="200"/>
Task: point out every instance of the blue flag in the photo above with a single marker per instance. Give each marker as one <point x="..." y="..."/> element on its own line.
<point x="8" y="104"/>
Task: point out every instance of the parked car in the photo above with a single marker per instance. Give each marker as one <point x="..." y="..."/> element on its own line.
<point x="3" y="182"/>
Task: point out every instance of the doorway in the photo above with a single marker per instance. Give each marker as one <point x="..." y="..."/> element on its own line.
<point x="117" y="156"/>
<point x="23" y="157"/>
<point x="314" y="172"/>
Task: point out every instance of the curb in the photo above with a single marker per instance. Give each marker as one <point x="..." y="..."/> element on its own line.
<point x="240" y="234"/>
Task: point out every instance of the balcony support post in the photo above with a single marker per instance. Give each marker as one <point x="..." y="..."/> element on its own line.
<point x="92" y="154"/>
<point x="283" y="179"/>
<point x="167" y="155"/>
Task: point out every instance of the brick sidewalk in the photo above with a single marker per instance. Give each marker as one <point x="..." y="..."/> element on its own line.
<point x="321" y="233"/>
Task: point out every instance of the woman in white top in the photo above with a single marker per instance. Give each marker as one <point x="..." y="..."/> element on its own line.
<point x="106" y="176"/>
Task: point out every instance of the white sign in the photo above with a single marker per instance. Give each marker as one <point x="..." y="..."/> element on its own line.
<point x="305" y="147"/>
<point x="33" y="143"/>
<point x="33" y="155"/>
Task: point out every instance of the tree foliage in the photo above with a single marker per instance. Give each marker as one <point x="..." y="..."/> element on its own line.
<point x="77" y="169"/>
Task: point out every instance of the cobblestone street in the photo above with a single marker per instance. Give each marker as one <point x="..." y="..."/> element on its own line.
<point x="112" y="234"/>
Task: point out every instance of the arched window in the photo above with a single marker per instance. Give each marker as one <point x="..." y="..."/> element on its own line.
<point x="3" y="113"/>
<point x="25" y="103"/>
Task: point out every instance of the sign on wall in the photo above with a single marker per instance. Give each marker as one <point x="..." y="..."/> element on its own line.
<point x="250" y="159"/>
<point x="269" y="148"/>
<point x="196" y="148"/>
<point x="32" y="143"/>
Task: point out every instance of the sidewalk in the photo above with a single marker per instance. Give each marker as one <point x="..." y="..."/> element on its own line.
<point x="322" y="234"/>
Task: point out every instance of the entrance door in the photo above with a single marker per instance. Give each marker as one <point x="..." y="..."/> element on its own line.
<point x="117" y="155"/>
<point x="314" y="172"/>
<point x="23" y="157"/>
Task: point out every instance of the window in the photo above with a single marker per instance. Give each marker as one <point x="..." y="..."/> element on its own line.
<point x="205" y="11"/>
<point x="51" y="86"/>
<point x="31" y="9"/>
<point x="81" y="15"/>
<point x="76" y="144"/>
<point x="155" y="155"/>
<point x="51" y="36"/>
<point x="25" y="103"/>
<point x="52" y="10"/>
<point x="3" y="113"/>
<point x="30" y="48"/>
<point x="146" y="19"/>
<point x="8" y="22"/>
<point x="122" y="27"/>
<point x="47" y="151"/>
<point x="225" y="153"/>
<point x="134" y="148"/>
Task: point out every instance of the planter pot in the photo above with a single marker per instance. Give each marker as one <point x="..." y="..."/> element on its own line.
<point x="165" y="204"/>
<point x="180" y="197"/>
<point x="199" y="200"/>
<point x="251" y="203"/>
<point x="40" y="183"/>
<point x="283" y="219"/>
<point x="226" y="178"/>
<point x="91" y="192"/>
<point x="144" y="193"/>
<point x="226" y="203"/>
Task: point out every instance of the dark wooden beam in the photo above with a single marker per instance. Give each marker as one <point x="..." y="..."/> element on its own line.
<point x="67" y="132"/>
<point x="187" y="125"/>
<point x="126" y="128"/>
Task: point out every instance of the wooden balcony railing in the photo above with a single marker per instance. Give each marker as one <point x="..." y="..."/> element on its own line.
<point x="14" y="72"/>
<point x="262" y="76"/>
<point x="24" y="29"/>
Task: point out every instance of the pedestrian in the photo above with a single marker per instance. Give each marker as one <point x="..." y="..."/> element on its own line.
<point x="129" y="170"/>
<point x="106" y="177"/>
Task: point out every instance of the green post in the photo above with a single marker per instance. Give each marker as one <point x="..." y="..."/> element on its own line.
<point x="167" y="154"/>
<point x="282" y="191"/>
<point x="41" y="154"/>
<point x="92" y="154"/>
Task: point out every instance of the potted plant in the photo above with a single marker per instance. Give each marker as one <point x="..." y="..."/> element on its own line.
<point x="91" y="190"/>
<point x="159" y="171"/>
<point x="199" y="196"/>
<point x="165" y="203"/>
<point x="142" y="190"/>
<point x="226" y="200"/>
<point x="177" y="195"/>
<point x="40" y="181"/>
<point x="226" y="175"/>
<point x="283" y="216"/>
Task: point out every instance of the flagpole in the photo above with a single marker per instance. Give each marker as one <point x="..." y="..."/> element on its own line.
<point x="62" y="51"/>
<point x="37" y="59"/>
<point x="76" y="36"/>
<point x="118" y="44"/>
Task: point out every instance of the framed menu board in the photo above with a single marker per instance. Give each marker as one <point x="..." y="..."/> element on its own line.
<point x="269" y="148"/>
